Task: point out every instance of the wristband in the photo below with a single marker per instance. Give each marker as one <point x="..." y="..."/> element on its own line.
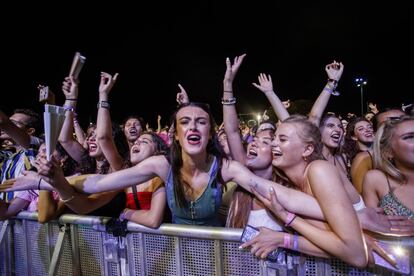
<point x="295" y="242"/>
<point x="290" y="217"/>
<point x="286" y="241"/>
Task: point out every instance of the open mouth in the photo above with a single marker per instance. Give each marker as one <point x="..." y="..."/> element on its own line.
<point x="193" y="139"/>
<point x="251" y="153"/>
<point x="135" y="149"/>
<point x="92" y="147"/>
<point x="335" y="137"/>
<point x="276" y="153"/>
<point x="133" y="132"/>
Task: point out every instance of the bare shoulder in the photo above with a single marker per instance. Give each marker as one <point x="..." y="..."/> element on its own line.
<point x="362" y="157"/>
<point x="375" y="175"/>
<point x="320" y="166"/>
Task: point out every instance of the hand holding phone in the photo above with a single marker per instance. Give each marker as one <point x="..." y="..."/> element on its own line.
<point x="249" y="233"/>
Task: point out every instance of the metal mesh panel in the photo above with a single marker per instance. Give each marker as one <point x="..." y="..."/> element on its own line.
<point x="3" y="252"/>
<point x="90" y="251"/>
<point x="247" y="264"/>
<point x="38" y="247"/>
<point x="311" y="266"/>
<point x="136" y="247"/>
<point x="65" y="265"/>
<point x="20" y="256"/>
<point x="160" y="255"/>
<point x="338" y="267"/>
<point x="113" y="269"/>
<point x="197" y="257"/>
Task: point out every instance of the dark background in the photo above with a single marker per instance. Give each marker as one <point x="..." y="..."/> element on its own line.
<point x="156" y="46"/>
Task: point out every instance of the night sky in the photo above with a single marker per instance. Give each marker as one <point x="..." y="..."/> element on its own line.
<point x="155" y="47"/>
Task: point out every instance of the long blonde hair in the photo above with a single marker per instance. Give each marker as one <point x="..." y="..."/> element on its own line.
<point x="382" y="149"/>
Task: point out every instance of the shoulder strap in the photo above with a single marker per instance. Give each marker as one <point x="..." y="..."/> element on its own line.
<point x="388" y="182"/>
<point x="135" y="192"/>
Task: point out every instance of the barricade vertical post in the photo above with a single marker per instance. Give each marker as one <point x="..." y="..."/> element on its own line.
<point x="75" y="249"/>
<point x="3" y="232"/>
<point x="26" y="249"/>
<point x="58" y="250"/>
<point x="178" y="254"/>
<point x="218" y="257"/>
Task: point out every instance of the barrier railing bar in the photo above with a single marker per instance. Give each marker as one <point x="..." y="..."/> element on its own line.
<point x="26" y="242"/>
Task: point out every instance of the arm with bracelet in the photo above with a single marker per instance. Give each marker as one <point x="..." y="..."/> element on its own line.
<point x="334" y="71"/>
<point x="104" y="125"/>
<point x="66" y="139"/>
<point x="230" y="119"/>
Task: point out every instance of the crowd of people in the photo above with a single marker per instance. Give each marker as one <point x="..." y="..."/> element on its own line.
<point x="317" y="184"/>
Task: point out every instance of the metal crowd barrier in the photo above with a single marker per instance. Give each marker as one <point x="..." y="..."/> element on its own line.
<point x="79" y="245"/>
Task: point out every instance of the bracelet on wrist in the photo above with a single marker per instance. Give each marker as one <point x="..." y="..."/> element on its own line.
<point x="229" y="101"/>
<point x="228" y="91"/>
<point x="38" y="184"/>
<point x="103" y="104"/>
<point x="67" y="200"/>
<point x="72" y="100"/>
<point x="289" y="218"/>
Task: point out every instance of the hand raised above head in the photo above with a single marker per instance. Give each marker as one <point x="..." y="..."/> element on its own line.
<point x="265" y="83"/>
<point x="107" y="82"/>
<point x="70" y="88"/>
<point x="231" y="69"/>
<point x="334" y="70"/>
<point x="182" y="96"/>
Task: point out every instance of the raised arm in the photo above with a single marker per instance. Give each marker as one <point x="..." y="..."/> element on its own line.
<point x="66" y="139"/>
<point x="334" y="71"/>
<point x="104" y="125"/>
<point x="182" y="96"/>
<point x="230" y="119"/>
<point x="266" y="86"/>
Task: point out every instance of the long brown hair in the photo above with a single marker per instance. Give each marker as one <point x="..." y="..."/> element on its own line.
<point x="175" y="157"/>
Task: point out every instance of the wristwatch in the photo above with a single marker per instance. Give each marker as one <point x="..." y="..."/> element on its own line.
<point x="103" y="104"/>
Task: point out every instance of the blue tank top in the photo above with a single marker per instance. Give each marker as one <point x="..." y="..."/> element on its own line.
<point x="202" y="211"/>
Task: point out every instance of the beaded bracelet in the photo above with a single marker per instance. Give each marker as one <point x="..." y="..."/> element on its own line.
<point x="228" y="101"/>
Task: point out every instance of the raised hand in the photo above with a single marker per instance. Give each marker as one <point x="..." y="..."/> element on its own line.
<point x="107" y="82"/>
<point x="231" y="69"/>
<point x="334" y="70"/>
<point x="265" y="83"/>
<point x="286" y="104"/>
<point x="51" y="171"/>
<point x="70" y="88"/>
<point x="182" y="96"/>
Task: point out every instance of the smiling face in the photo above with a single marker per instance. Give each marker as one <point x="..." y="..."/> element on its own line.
<point x="259" y="151"/>
<point x="193" y="129"/>
<point x="402" y="144"/>
<point x="94" y="149"/>
<point x="132" y="129"/>
<point x="143" y="148"/>
<point x="287" y="147"/>
<point x="363" y="132"/>
<point x="332" y="132"/>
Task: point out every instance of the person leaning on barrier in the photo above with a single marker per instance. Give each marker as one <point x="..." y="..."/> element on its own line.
<point x="390" y="185"/>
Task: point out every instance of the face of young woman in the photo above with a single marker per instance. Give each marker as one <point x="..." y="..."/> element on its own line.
<point x="93" y="146"/>
<point x="143" y="148"/>
<point x="132" y="129"/>
<point x="224" y="143"/>
<point x="259" y="151"/>
<point x="402" y="144"/>
<point x="192" y="129"/>
<point x="287" y="147"/>
<point x="364" y="132"/>
<point x="332" y="132"/>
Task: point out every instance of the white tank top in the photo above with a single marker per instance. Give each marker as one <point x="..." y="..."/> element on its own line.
<point x="262" y="218"/>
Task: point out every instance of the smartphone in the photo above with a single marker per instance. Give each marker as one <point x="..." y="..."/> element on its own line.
<point x="249" y="232"/>
<point x="403" y="260"/>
